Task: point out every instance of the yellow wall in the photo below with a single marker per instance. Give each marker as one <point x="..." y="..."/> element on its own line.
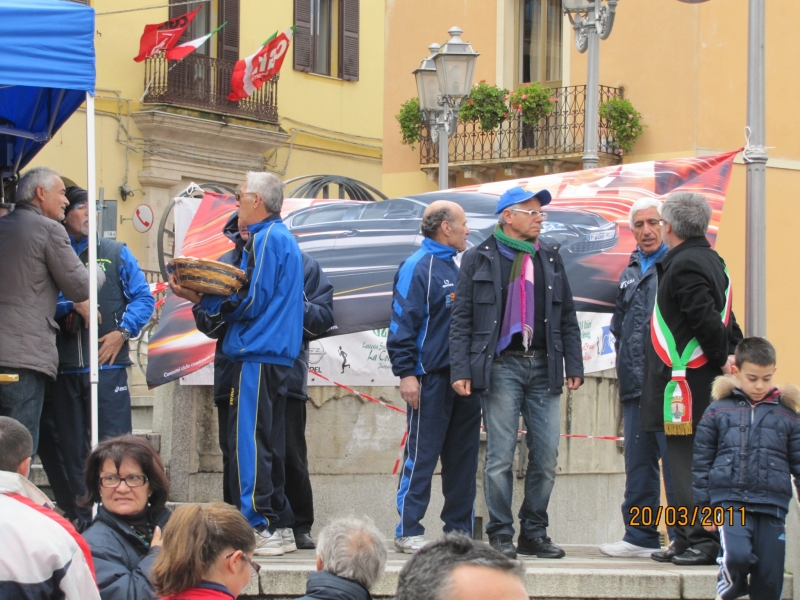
<point x="339" y="123"/>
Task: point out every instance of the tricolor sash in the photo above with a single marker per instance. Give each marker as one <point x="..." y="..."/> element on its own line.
<point x="677" y="395"/>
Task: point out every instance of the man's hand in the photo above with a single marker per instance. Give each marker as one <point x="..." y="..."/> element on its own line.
<point x="728" y="370"/>
<point x="82" y="308"/>
<point x="409" y="390"/>
<point x="573" y="383"/>
<point x="183" y="292"/>
<point x="112" y="344"/>
<point x="463" y="387"/>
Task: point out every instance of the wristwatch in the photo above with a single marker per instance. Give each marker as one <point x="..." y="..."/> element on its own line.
<point x="125" y="333"/>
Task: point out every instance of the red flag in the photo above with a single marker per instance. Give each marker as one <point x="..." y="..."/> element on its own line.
<point x="250" y="73"/>
<point x="163" y="36"/>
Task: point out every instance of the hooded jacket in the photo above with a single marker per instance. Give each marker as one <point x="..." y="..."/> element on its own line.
<point x="38" y="261"/>
<point x="746" y="452"/>
<point x="323" y="585"/>
<point x="42" y="555"/>
<point x="265" y="317"/>
<point x="122" y="562"/>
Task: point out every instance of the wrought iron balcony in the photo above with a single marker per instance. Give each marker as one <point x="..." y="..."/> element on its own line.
<point x="203" y="82"/>
<point x="513" y="144"/>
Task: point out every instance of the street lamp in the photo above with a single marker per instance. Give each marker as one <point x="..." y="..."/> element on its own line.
<point x="443" y="81"/>
<point x="592" y="21"/>
<point x="755" y="158"/>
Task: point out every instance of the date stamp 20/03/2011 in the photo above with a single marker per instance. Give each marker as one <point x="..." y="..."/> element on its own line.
<point x="644" y="516"/>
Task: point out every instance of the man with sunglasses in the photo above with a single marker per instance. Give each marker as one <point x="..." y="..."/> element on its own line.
<point x="515" y="337"/>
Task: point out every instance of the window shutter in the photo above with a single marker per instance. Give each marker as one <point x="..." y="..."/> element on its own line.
<point x="178" y="10"/>
<point x="302" y="35"/>
<point x="228" y="38"/>
<point x="348" y="51"/>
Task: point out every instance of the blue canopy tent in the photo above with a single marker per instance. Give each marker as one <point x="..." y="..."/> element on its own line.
<point x="47" y="70"/>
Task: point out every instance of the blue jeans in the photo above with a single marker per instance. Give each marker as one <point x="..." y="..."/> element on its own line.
<point x="23" y="400"/>
<point x="643" y="477"/>
<point x="519" y="384"/>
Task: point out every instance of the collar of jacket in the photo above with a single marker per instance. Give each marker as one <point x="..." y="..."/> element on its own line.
<point x="696" y="242"/>
<point x="79" y="246"/>
<point x="160" y="518"/>
<point x="322" y="584"/>
<point x="488" y="247"/>
<point x="28" y="206"/>
<point x="256" y="227"/>
<point x="438" y="250"/>
<point x="14" y="483"/>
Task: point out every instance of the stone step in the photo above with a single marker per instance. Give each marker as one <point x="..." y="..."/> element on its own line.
<point x="584" y="573"/>
<point x="142" y="412"/>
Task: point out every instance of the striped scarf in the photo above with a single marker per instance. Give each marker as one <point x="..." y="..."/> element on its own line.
<point x="518" y="317"/>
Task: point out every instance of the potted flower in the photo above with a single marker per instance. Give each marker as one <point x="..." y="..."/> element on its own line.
<point x="533" y="102"/>
<point x="624" y="123"/>
<point x="410" y="119"/>
<point x="485" y="104"/>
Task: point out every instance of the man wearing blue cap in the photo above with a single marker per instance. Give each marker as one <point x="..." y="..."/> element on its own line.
<point x="515" y="336"/>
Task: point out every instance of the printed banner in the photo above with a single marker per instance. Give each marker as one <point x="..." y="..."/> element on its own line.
<point x="360" y="246"/>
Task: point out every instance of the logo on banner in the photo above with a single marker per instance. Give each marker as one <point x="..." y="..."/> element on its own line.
<point x="607" y="345"/>
<point x="316" y="352"/>
<point x="345" y="364"/>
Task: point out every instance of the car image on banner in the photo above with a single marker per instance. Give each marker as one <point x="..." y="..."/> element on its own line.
<point x="360" y="245"/>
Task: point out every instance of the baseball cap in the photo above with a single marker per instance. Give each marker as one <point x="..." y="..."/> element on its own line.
<point x="519" y="194"/>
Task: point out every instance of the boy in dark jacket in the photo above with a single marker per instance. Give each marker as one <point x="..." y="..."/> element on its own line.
<point x="746" y="450"/>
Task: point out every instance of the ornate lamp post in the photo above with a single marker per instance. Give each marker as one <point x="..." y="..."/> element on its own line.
<point x="592" y="21"/>
<point x="443" y="81"/>
<point x="755" y="157"/>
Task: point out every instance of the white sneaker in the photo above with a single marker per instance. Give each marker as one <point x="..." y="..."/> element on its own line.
<point x="287" y="537"/>
<point x="268" y="545"/>
<point x="626" y="550"/>
<point x="409" y="544"/>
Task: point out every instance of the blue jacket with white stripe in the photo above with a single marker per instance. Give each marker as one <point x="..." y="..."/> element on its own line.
<point x="424" y="291"/>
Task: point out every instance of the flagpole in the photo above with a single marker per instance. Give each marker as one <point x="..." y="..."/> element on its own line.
<point x="91" y="184"/>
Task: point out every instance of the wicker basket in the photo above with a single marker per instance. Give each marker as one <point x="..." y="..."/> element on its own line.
<point x="208" y="276"/>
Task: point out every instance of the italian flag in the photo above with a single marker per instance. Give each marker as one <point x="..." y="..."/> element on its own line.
<point x="184" y="50"/>
<point x="250" y="73"/>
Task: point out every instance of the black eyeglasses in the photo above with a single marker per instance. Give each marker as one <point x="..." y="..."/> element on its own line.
<point x="240" y="195"/>
<point x="132" y="481"/>
<point x="254" y="566"/>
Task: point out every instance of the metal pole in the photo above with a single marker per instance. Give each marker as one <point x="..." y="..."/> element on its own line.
<point x="590" y="158"/>
<point x="755" y="272"/>
<point x="91" y="186"/>
<point x="444" y="179"/>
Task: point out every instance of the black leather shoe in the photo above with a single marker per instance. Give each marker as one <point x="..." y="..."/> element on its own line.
<point x="693" y="558"/>
<point x="503" y="544"/>
<point x="665" y="556"/>
<point x="304" y="541"/>
<point x="541" y="547"/>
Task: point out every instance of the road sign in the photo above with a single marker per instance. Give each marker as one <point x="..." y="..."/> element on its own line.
<point x="143" y="218"/>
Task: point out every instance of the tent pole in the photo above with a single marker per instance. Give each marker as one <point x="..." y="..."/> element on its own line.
<point x="91" y="187"/>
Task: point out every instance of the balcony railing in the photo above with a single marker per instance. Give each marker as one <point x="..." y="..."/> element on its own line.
<point x="559" y="135"/>
<point x="204" y="82"/>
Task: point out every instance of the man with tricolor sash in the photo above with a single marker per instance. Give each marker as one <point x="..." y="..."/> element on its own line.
<point x="694" y="335"/>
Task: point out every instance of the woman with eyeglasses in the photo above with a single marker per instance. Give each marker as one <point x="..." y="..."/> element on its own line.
<point x="126" y="476"/>
<point x="207" y="554"/>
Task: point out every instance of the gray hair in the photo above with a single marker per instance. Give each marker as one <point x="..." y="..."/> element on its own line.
<point x="432" y="222"/>
<point x="354" y="549"/>
<point x="269" y="187"/>
<point x="39" y="176"/>
<point x="688" y="213"/>
<point x="642" y="204"/>
<point x="428" y="575"/>
<point x="16" y="444"/>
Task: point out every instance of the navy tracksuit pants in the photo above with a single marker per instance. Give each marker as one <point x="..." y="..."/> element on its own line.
<point x="756" y="548"/>
<point x="257" y="441"/>
<point x="445" y="426"/>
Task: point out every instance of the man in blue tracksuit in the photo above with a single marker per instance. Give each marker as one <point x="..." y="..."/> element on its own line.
<point x="125" y="305"/>
<point x="441" y="424"/>
<point x="265" y="331"/>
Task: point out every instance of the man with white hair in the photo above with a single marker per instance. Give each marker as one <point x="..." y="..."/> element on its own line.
<point x="692" y="341"/>
<point x="38" y="261"/>
<point x="630" y="327"/>
<point x="264" y="335"/>
<point x="351" y="557"/>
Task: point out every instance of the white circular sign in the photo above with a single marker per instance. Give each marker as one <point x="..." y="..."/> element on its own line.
<point x="143" y="218"/>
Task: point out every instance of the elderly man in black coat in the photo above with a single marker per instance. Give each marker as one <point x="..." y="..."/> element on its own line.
<point x="693" y="338"/>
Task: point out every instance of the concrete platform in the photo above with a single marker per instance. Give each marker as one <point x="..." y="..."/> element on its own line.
<point x="583" y="574"/>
